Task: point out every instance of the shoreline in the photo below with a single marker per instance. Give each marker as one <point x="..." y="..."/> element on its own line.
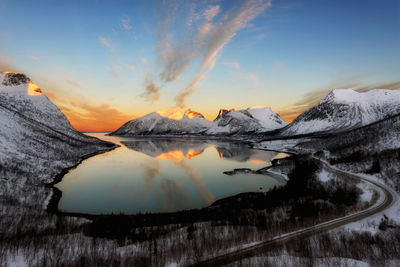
<point x="52" y="205"/>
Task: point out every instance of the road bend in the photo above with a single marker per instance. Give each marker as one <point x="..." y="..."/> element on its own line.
<point x="386" y="198"/>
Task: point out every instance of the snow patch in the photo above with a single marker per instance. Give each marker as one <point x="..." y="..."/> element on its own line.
<point x="324" y="176"/>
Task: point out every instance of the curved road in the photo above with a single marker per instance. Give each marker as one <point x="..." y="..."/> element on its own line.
<point x="386" y="199"/>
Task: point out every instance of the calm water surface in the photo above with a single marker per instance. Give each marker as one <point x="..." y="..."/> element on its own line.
<point x="162" y="175"/>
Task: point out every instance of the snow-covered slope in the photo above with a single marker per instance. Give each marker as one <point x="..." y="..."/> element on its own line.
<point x="246" y="121"/>
<point x="228" y="122"/>
<point x="19" y="94"/>
<point x="36" y="139"/>
<point x="345" y="109"/>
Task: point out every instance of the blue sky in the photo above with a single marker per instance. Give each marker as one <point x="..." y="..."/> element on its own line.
<point x="102" y="61"/>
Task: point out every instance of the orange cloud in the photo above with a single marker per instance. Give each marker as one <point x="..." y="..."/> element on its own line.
<point x="83" y="113"/>
<point x="100" y="117"/>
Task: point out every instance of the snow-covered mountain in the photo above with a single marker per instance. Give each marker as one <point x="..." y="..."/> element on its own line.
<point x="172" y="121"/>
<point x="178" y="122"/>
<point x="36" y="139"/>
<point x="246" y="121"/>
<point x="345" y="109"/>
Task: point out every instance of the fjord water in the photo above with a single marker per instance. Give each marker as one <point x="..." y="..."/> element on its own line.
<point x="162" y="175"/>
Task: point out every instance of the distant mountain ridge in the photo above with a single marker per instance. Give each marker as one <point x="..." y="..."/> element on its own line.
<point x="228" y="122"/>
<point x="340" y="110"/>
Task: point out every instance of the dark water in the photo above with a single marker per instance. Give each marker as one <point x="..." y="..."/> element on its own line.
<point x="162" y="175"/>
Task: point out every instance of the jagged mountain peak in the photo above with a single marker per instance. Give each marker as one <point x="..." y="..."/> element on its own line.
<point x="13" y="78"/>
<point x="222" y="112"/>
<point x="177" y="113"/>
<point x="193" y="114"/>
<point x="18" y="82"/>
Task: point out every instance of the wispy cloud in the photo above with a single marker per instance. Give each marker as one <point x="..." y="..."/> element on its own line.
<point x="105" y="42"/>
<point x="211" y="12"/>
<point x="71" y="81"/>
<point x="215" y="30"/>
<point x="152" y="91"/>
<point x="176" y="55"/>
<point x="181" y="97"/>
<point x="126" y="23"/>
<point x="253" y="78"/>
<point x="389" y="86"/>
<point x="228" y="26"/>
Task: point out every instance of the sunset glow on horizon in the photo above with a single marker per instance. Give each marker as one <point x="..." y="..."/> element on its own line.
<point x="104" y="63"/>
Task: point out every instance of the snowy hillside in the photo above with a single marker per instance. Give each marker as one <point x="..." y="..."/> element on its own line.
<point x="345" y="109"/>
<point x="36" y="139"/>
<point x="178" y="122"/>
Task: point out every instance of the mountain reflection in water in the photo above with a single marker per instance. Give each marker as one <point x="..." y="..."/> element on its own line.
<point x="178" y="149"/>
<point x="162" y="175"/>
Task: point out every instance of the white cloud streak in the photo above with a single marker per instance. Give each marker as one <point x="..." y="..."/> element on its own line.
<point x="208" y="30"/>
<point x="105" y="42"/>
<point x="126" y="24"/>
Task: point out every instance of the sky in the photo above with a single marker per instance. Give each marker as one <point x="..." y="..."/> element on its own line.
<point x="106" y="62"/>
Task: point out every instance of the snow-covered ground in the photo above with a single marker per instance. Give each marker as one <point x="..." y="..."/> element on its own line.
<point x="371" y="224"/>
